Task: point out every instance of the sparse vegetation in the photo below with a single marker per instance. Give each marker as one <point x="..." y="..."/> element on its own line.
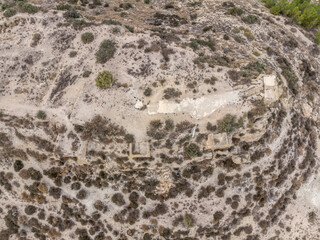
<point x="189" y="143"/>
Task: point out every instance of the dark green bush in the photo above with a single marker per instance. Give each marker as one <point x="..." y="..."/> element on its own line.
<point x="147" y="92"/>
<point x="72" y="13"/>
<point x="41" y="115"/>
<point x="4" y="6"/>
<point x="111" y="22"/>
<point x="192" y="150"/>
<point x="125" y="6"/>
<point x="250" y="19"/>
<point x="270" y="3"/>
<point x="194" y="44"/>
<point x="228" y="124"/>
<point x="169" y="125"/>
<point x="171" y="93"/>
<point x="252" y="69"/>
<point x="72" y="54"/>
<point x="9" y="12"/>
<point x="28" y="8"/>
<point x="129" y="138"/>
<point x="236" y="11"/>
<point x="104" y="79"/>
<point x="79" y="24"/>
<point x="146" y="1"/>
<point x="87" y="37"/>
<point x="169" y="6"/>
<point x="35" y="39"/>
<point x="131" y="29"/>
<point x="106" y="51"/>
<point x="63" y="7"/>
<point x="18" y="165"/>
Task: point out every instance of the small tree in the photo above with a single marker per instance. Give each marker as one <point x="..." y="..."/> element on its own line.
<point x="104" y="79"/>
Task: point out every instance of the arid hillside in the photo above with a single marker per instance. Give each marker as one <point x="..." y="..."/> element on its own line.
<point x="147" y="119"/>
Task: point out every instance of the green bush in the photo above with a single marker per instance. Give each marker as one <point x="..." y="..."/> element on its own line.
<point x="309" y="17"/>
<point x="317" y="38"/>
<point x="146" y="1"/>
<point x="72" y="13"/>
<point x="79" y="24"/>
<point x="170" y="93"/>
<point x="131" y="29"/>
<point x="250" y="19"/>
<point x="147" y="92"/>
<point x="111" y="22"/>
<point x="63" y="7"/>
<point x="236" y="11"/>
<point x="252" y="69"/>
<point x="188" y="220"/>
<point x="194" y="44"/>
<point x="4" y="6"/>
<point x="228" y="124"/>
<point x="270" y="3"/>
<point x="192" y="150"/>
<point x="126" y="6"/>
<point x="72" y="54"/>
<point x="10" y="12"/>
<point x="106" y="51"/>
<point x="104" y="79"/>
<point x="41" y="115"/>
<point x="275" y="10"/>
<point x="87" y="37"/>
<point x="28" y="8"/>
<point x="249" y="35"/>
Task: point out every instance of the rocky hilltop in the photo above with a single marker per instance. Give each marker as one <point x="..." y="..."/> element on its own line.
<point x="157" y="120"/>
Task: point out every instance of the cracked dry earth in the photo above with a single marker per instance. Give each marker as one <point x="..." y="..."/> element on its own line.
<point x="184" y="73"/>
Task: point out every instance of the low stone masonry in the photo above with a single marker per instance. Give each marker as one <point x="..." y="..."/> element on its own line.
<point x="139" y="150"/>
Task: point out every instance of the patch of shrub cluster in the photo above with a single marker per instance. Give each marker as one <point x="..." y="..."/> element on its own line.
<point x="305" y="13"/>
